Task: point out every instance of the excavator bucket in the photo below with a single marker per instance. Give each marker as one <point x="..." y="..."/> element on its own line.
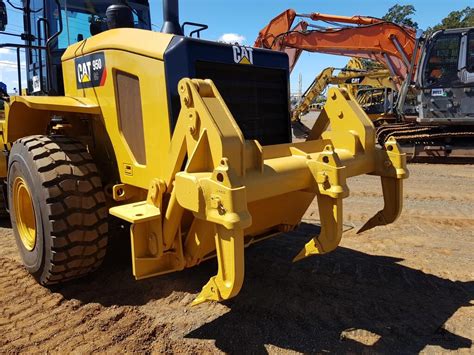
<point x="233" y="192"/>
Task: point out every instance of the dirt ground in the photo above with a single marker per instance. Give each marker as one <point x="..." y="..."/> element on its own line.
<point x="403" y="288"/>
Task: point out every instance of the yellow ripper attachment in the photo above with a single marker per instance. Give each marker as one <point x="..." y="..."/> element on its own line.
<point x="234" y="191"/>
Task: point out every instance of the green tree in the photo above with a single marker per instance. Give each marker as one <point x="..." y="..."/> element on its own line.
<point x="401" y="14"/>
<point x="456" y="19"/>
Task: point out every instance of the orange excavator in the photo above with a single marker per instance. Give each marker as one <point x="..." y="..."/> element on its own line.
<point x="357" y="36"/>
<point x="438" y="68"/>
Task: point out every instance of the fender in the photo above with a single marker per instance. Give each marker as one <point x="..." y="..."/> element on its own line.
<point x="29" y="115"/>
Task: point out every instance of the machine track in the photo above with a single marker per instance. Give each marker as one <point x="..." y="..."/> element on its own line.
<point x="431" y="143"/>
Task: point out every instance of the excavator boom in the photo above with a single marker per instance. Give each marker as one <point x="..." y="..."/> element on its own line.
<point x="370" y="38"/>
<point x="377" y="77"/>
<point x="434" y="118"/>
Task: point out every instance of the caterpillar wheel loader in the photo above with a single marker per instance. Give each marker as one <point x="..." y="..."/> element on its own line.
<point x="186" y="140"/>
<point x="434" y="74"/>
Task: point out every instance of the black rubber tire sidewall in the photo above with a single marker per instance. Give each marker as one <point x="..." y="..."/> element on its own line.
<point x="22" y="164"/>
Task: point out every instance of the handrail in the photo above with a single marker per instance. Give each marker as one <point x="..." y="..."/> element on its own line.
<point x="48" y="46"/>
<point x="19" y="46"/>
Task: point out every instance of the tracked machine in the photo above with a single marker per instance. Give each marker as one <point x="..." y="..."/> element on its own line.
<point x="373" y="90"/>
<point x="436" y="71"/>
<point x="361" y="82"/>
<point x="185" y="140"/>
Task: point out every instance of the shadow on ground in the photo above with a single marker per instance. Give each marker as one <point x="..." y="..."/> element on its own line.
<point x="5" y="222"/>
<point x="114" y="284"/>
<point x="343" y="301"/>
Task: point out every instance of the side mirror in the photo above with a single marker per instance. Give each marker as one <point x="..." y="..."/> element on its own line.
<point x="3" y="16"/>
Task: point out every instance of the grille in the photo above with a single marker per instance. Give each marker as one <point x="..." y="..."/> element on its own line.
<point x="256" y="97"/>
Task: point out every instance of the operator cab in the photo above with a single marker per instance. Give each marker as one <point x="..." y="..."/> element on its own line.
<point x="67" y="22"/>
<point x="253" y="82"/>
<point x="447" y="77"/>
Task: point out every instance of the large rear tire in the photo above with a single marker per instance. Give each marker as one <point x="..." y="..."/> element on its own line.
<point x="57" y="208"/>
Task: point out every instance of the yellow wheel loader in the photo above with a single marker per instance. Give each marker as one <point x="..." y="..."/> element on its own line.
<point x="187" y="140"/>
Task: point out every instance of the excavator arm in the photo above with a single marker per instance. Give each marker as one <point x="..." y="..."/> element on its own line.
<point x="316" y="88"/>
<point x="357" y="36"/>
<point x="376" y="77"/>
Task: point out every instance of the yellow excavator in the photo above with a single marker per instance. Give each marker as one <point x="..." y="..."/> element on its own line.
<point x="373" y="88"/>
<point x="356" y="79"/>
<point x="186" y="140"/>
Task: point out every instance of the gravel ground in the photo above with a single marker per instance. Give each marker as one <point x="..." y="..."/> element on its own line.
<point x="404" y="288"/>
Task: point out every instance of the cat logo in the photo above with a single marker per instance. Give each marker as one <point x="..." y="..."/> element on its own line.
<point x="243" y="55"/>
<point x="83" y="71"/>
<point x="91" y="71"/>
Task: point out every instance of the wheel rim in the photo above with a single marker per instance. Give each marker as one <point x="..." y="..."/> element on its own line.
<point x="24" y="213"/>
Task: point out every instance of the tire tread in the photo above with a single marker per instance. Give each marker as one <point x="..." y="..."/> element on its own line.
<point x="76" y="206"/>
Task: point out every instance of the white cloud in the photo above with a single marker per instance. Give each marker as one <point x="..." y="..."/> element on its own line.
<point x="7" y="64"/>
<point x="5" y="51"/>
<point x="9" y="74"/>
<point x="232" y="38"/>
<point x="10" y="65"/>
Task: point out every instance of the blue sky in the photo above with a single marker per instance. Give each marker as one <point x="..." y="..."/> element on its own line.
<point x="246" y="17"/>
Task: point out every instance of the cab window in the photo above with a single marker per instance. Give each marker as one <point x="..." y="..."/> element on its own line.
<point x="83" y="20"/>
<point x="442" y="61"/>
<point x="470" y="53"/>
